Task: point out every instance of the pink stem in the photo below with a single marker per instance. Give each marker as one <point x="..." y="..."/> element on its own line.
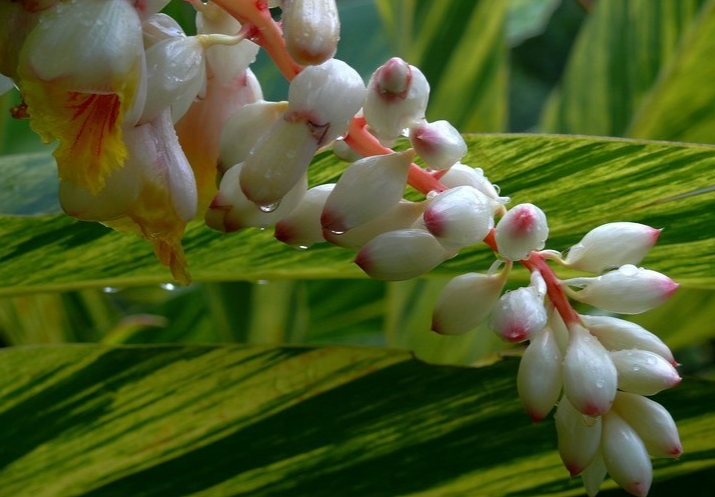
<point x="364" y="143"/>
<point x="266" y="32"/>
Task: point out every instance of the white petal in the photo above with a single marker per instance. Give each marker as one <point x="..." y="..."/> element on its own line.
<point x="539" y="380"/>
<point x="625" y="456"/>
<point x="578" y="437"/>
<point x="160" y="27"/>
<point x="643" y="372"/>
<point x="652" y="422"/>
<point x="465" y="302"/>
<point x="594" y="474"/>
<point x="590" y="378"/>
<point x="366" y="190"/>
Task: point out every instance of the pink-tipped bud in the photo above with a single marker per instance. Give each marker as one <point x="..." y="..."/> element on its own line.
<point x="643" y="372"/>
<point x="578" y="437"/>
<point x="401" y="255"/>
<point x="627" y="290"/>
<point x="521" y="230"/>
<point x="325" y="98"/>
<point x="231" y="210"/>
<point x="619" y="334"/>
<point x="519" y="315"/>
<point x="594" y="474"/>
<point x="459" y="217"/>
<point x="626" y="456"/>
<point x="396" y="98"/>
<point x="652" y="422"/>
<point x="311" y="29"/>
<point x="465" y="302"/>
<point x="401" y="216"/>
<point x="439" y="144"/>
<point x="540" y="379"/>
<point x="366" y="190"/>
<point x="176" y="75"/>
<point x="461" y="175"/>
<point x="244" y="129"/>
<point x="612" y="245"/>
<point x="590" y="378"/>
<point x="301" y="228"/>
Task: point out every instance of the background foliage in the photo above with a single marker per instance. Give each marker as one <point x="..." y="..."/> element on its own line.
<point x="280" y="420"/>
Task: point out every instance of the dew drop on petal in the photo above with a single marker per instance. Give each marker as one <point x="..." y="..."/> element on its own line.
<point x="268" y="208"/>
<point x="169" y="287"/>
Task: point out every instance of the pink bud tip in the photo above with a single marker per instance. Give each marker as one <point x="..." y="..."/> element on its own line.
<point x="283" y="233"/>
<point x="669" y="287"/>
<point x="394" y="78"/>
<point x="523" y="221"/>
<point x="516" y="334"/>
<point x="434" y="222"/>
<point x="573" y="470"/>
<point x="363" y="260"/>
<point x="331" y="222"/>
<point x="594" y="410"/>
<point x="535" y="417"/>
<point x="638" y="488"/>
<point x="655" y="233"/>
<point x="676" y="451"/>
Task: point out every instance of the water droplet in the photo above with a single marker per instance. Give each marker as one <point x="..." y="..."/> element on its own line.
<point x="169" y="287"/>
<point x="600" y="383"/>
<point x="262" y="282"/>
<point x="269" y="207"/>
<point x="651" y="361"/>
<point x="636" y="369"/>
<point x="303" y="247"/>
<point x="337" y="233"/>
<point x="497" y="189"/>
<point x="111" y="289"/>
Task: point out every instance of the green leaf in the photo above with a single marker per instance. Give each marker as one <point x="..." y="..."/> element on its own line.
<point x="235" y="420"/>
<point x="460" y="47"/>
<point x="579" y="182"/>
<point x="624" y="64"/>
<point x="29" y="184"/>
<point x="528" y="18"/>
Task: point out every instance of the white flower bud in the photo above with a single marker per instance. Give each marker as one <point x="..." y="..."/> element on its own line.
<point x="519" y="315"/>
<point x="627" y="290"/>
<point x="176" y="75"/>
<point x="652" y="422"/>
<point x="326" y="97"/>
<point x="459" y="217"/>
<point x="466" y="301"/>
<point x="439" y="144"/>
<point x="612" y="245"/>
<point x="540" y="379"/>
<point x="311" y="29"/>
<point x="396" y="98"/>
<point x="231" y="210"/>
<point x="461" y="175"/>
<point x="625" y="456"/>
<point x="579" y="437"/>
<point x="160" y="27"/>
<point x="590" y="378"/>
<point x="301" y="228"/>
<point x="521" y="230"/>
<point x="244" y="129"/>
<point x="401" y="216"/>
<point x="366" y="190"/>
<point x="619" y="334"/>
<point x="643" y="372"/>
<point x="401" y="255"/>
<point x="594" y="474"/>
<point x="277" y="162"/>
<point x="344" y="152"/>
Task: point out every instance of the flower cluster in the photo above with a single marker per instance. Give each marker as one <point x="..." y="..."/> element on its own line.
<point x="155" y="127"/>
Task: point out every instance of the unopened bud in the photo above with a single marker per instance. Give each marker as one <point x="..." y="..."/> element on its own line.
<point x="311" y="29"/>
<point x="459" y="217"/>
<point x="612" y="245"/>
<point x="590" y="377"/>
<point x="578" y="437"/>
<point x="231" y="210"/>
<point x="521" y="230"/>
<point x="301" y="228"/>
<point x="244" y="129"/>
<point x="325" y="98"/>
<point x="627" y="290"/>
<point x="540" y="379"/>
<point x="401" y="255"/>
<point x="594" y="474"/>
<point x="439" y="144"/>
<point x="652" y="422"/>
<point x="366" y="190"/>
<point x="643" y="372"/>
<point x="461" y="175"/>
<point x="401" y="216"/>
<point x="466" y="301"/>
<point x="626" y="456"/>
<point x="396" y="98"/>
<point x="519" y="314"/>
<point x="619" y="334"/>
